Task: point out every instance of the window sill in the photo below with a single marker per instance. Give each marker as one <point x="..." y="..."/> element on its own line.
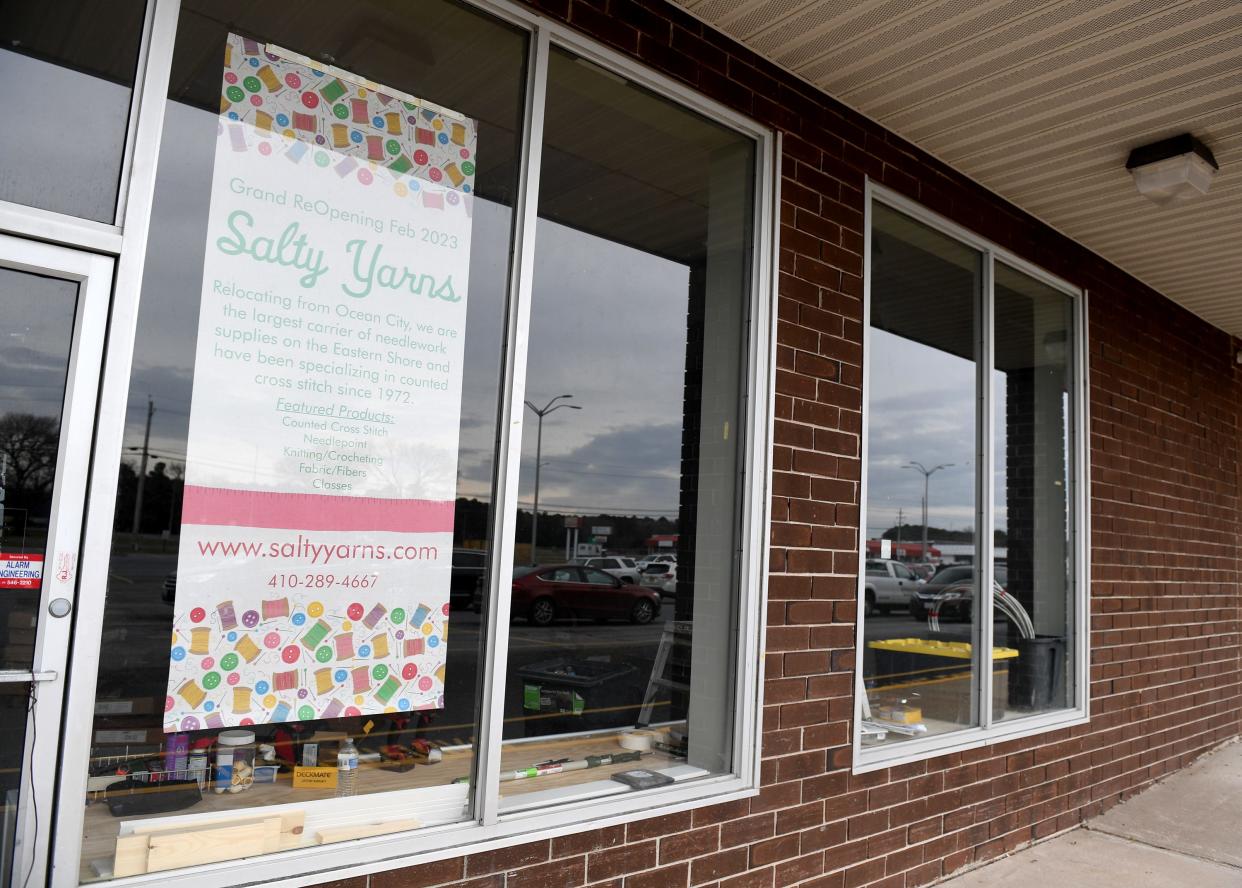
<point x="879" y="757"/>
<point x="315" y="864"/>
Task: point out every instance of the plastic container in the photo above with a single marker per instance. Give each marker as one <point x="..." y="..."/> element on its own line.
<point x="347" y="768"/>
<point x="234" y="761"/>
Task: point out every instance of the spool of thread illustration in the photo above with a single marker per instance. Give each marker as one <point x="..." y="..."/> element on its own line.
<point x="304" y="122"/>
<point x="250" y="47"/>
<point x="228" y="55"/>
<point x="375" y="147"/>
<point x="275" y="608"/>
<point x="333" y="709"/>
<point x="214" y="720"/>
<point x="346" y="166"/>
<point x="358" y="111"/>
<point x="386" y="691"/>
<point x="333" y="90"/>
<point x="297" y="151"/>
<point x="237" y="138"/>
<point x="200" y="640"/>
<point x="420" y="615"/>
<point x="424" y="136"/>
<point x="285" y="681"/>
<point x="323" y="680"/>
<point x="269" y="78"/>
<point x="401" y="165"/>
<point x="247" y="648"/>
<point x="228" y="617"/>
<point x="393" y="121"/>
<point x="440" y="673"/>
<point x="241" y="700"/>
<point x="371" y="620"/>
<point x="263" y="121"/>
<point x="344" y="646"/>
<point x="340" y="135"/>
<point x="379" y="647"/>
<point x="281" y="712"/>
<point x="191" y="693"/>
<point x="225" y="104"/>
<point x="315" y="634"/>
<point x="457" y="133"/>
<point x="414" y="646"/>
<point x="454" y="174"/>
<point x="361" y="676"/>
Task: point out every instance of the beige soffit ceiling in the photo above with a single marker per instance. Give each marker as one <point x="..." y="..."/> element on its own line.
<point x="1041" y="102"/>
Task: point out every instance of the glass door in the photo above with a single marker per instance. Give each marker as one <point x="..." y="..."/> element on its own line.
<point x="53" y="302"/>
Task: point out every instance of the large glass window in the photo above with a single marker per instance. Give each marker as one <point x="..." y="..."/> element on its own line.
<point x="272" y="500"/>
<point x="961" y="631"/>
<point x="926" y="304"/>
<point x="1032" y="462"/>
<point x="306" y="542"/>
<point x="642" y="279"/>
<point x="70" y="67"/>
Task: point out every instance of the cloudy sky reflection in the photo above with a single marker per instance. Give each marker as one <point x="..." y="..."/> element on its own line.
<point x="608" y="324"/>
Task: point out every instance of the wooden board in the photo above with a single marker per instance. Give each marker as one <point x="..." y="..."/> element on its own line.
<point x="211" y="844"/>
<point x="148" y="847"/>
<point x="365" y="830"/>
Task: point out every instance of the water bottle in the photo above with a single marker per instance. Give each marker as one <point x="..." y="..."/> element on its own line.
<point x="346" y="768"/>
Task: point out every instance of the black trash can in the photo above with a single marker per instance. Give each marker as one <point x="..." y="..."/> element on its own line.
<point x="1037" y="676"/>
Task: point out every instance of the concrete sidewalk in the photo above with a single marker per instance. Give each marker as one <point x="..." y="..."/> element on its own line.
<point x="1184" y="831"/>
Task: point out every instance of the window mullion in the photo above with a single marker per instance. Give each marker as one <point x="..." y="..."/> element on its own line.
<point x="986" y="487"/>
<point x="509" y="442"/>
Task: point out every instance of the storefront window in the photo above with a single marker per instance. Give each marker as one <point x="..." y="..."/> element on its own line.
<point x="937" y="318"/>
<point x="618" y="661"/>
<point x="1033" y="461"/>
<point x="920" y="672"/>
<point x="302" y="519"/>
<point x="294" y="646"/>
<point x="70" y="68"/>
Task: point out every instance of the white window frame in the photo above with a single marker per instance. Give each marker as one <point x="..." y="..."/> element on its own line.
<point x="493" y="825"/>
<point x="988" y="731"/>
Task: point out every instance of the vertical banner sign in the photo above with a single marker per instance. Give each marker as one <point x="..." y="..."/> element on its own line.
<point x="317" y="529"/>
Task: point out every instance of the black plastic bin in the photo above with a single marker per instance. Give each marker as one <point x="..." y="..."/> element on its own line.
<point x="566" y="693"/>
<point x="1037" y="676"/>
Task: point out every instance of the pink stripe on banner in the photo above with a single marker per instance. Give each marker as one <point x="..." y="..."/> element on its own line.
<point x="313" y="511"/>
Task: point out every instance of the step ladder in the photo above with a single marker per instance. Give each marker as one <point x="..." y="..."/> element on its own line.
<point x="675" y="632"/>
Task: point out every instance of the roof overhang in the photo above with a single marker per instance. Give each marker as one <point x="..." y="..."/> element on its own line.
<point x="1042" y="103"/>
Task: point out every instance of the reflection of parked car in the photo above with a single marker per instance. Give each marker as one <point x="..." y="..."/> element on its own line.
<point x="888" y="584"/>
<point x="624" y="569"/>
<point x="544" y="593"/>
<point x="922" y="569"/>
<point x="661" y="575"/>
<point x="469" y="565"/>
<point x="666" y="558"/>
<point x="955" y="577"/>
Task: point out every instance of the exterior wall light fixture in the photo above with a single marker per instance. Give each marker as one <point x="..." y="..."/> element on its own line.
<point x="1172" y="170"/>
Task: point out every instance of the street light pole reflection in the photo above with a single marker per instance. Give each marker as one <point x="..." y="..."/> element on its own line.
<point x="541" y="413"/>
<point x="927" y="473"/>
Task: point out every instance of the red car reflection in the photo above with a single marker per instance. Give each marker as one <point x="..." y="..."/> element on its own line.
<point x="547" y="592"/>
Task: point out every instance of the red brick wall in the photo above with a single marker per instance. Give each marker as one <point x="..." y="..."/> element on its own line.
<point x="1166" y="413"/>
